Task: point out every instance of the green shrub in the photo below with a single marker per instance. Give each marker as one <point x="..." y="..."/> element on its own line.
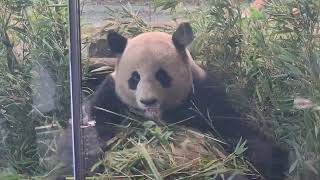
<point x="34" y="55"/>
<point x="269" y="61"/>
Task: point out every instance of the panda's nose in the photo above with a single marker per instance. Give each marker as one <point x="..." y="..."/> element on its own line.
<point x="148" y="102"/>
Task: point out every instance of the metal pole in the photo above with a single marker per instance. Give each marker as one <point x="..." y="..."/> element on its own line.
<point x="75" y="86"/>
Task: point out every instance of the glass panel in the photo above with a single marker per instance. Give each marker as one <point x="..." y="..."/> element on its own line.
<point x="231" y="94"/>
<point x="34" y="92"/>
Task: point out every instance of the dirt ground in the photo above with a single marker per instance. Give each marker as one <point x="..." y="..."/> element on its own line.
<point x="95" y="11"/>
<point x="195" y="2"/>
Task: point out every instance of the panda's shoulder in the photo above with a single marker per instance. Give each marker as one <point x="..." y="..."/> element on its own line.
<point x="108" y="82"/>
<point x="212" y="84"/>
<point x="212" y="93"/>
<point x="104" y="91"/>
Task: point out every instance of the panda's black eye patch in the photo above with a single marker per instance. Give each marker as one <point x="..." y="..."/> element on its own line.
<point x="164" y="79"/>
<point x="134" y="80"/>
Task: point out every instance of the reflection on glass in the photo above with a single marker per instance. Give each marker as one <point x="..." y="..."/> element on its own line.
<point x="34" y="93"/>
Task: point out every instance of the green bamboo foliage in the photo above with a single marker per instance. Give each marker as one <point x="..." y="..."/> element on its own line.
<point x="33" y="37"/>
<point x="271" y="57"/>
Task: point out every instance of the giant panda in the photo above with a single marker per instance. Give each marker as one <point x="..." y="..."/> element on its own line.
<point x="156" y="76"/>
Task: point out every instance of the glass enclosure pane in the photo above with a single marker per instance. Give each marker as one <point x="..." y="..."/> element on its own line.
<point x="227" y="90"/>
<point x="34" y="93"/>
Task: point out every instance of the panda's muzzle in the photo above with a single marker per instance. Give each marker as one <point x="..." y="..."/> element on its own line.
<point x="149" y="102"/>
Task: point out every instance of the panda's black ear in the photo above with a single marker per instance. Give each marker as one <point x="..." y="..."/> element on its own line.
<point x="117" y="43"/>
<point x="183" y="36"/>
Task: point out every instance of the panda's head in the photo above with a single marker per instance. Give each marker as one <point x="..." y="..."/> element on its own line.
<point x="154" y="71"/>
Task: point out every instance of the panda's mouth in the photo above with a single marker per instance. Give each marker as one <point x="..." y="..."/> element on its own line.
<point x="152" y="109"/>
<point x="149" y="112"/>
<point x="153" y="112"/>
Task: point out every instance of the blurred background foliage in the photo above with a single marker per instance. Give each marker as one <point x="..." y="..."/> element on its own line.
<point x="33" y="64"/>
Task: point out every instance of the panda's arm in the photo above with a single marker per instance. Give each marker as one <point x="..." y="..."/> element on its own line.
<point x="266" y="155"/>
<point x="103" y="107"/>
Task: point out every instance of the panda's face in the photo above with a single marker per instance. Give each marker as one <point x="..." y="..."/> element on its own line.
<point x="152" y="75"/>
<point x="154" y="71"/>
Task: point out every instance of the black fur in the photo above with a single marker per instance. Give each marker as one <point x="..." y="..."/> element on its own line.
<point x="117" y="43"/>
<point x="270" y="159"/>
<point x="105" y="98"/>
<point x="163" y="77"/>
<point x="183" y="36"/>
<point x="134" y="80"/>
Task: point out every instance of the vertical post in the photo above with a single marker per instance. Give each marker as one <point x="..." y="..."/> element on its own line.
<point x="75" y="86"/>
